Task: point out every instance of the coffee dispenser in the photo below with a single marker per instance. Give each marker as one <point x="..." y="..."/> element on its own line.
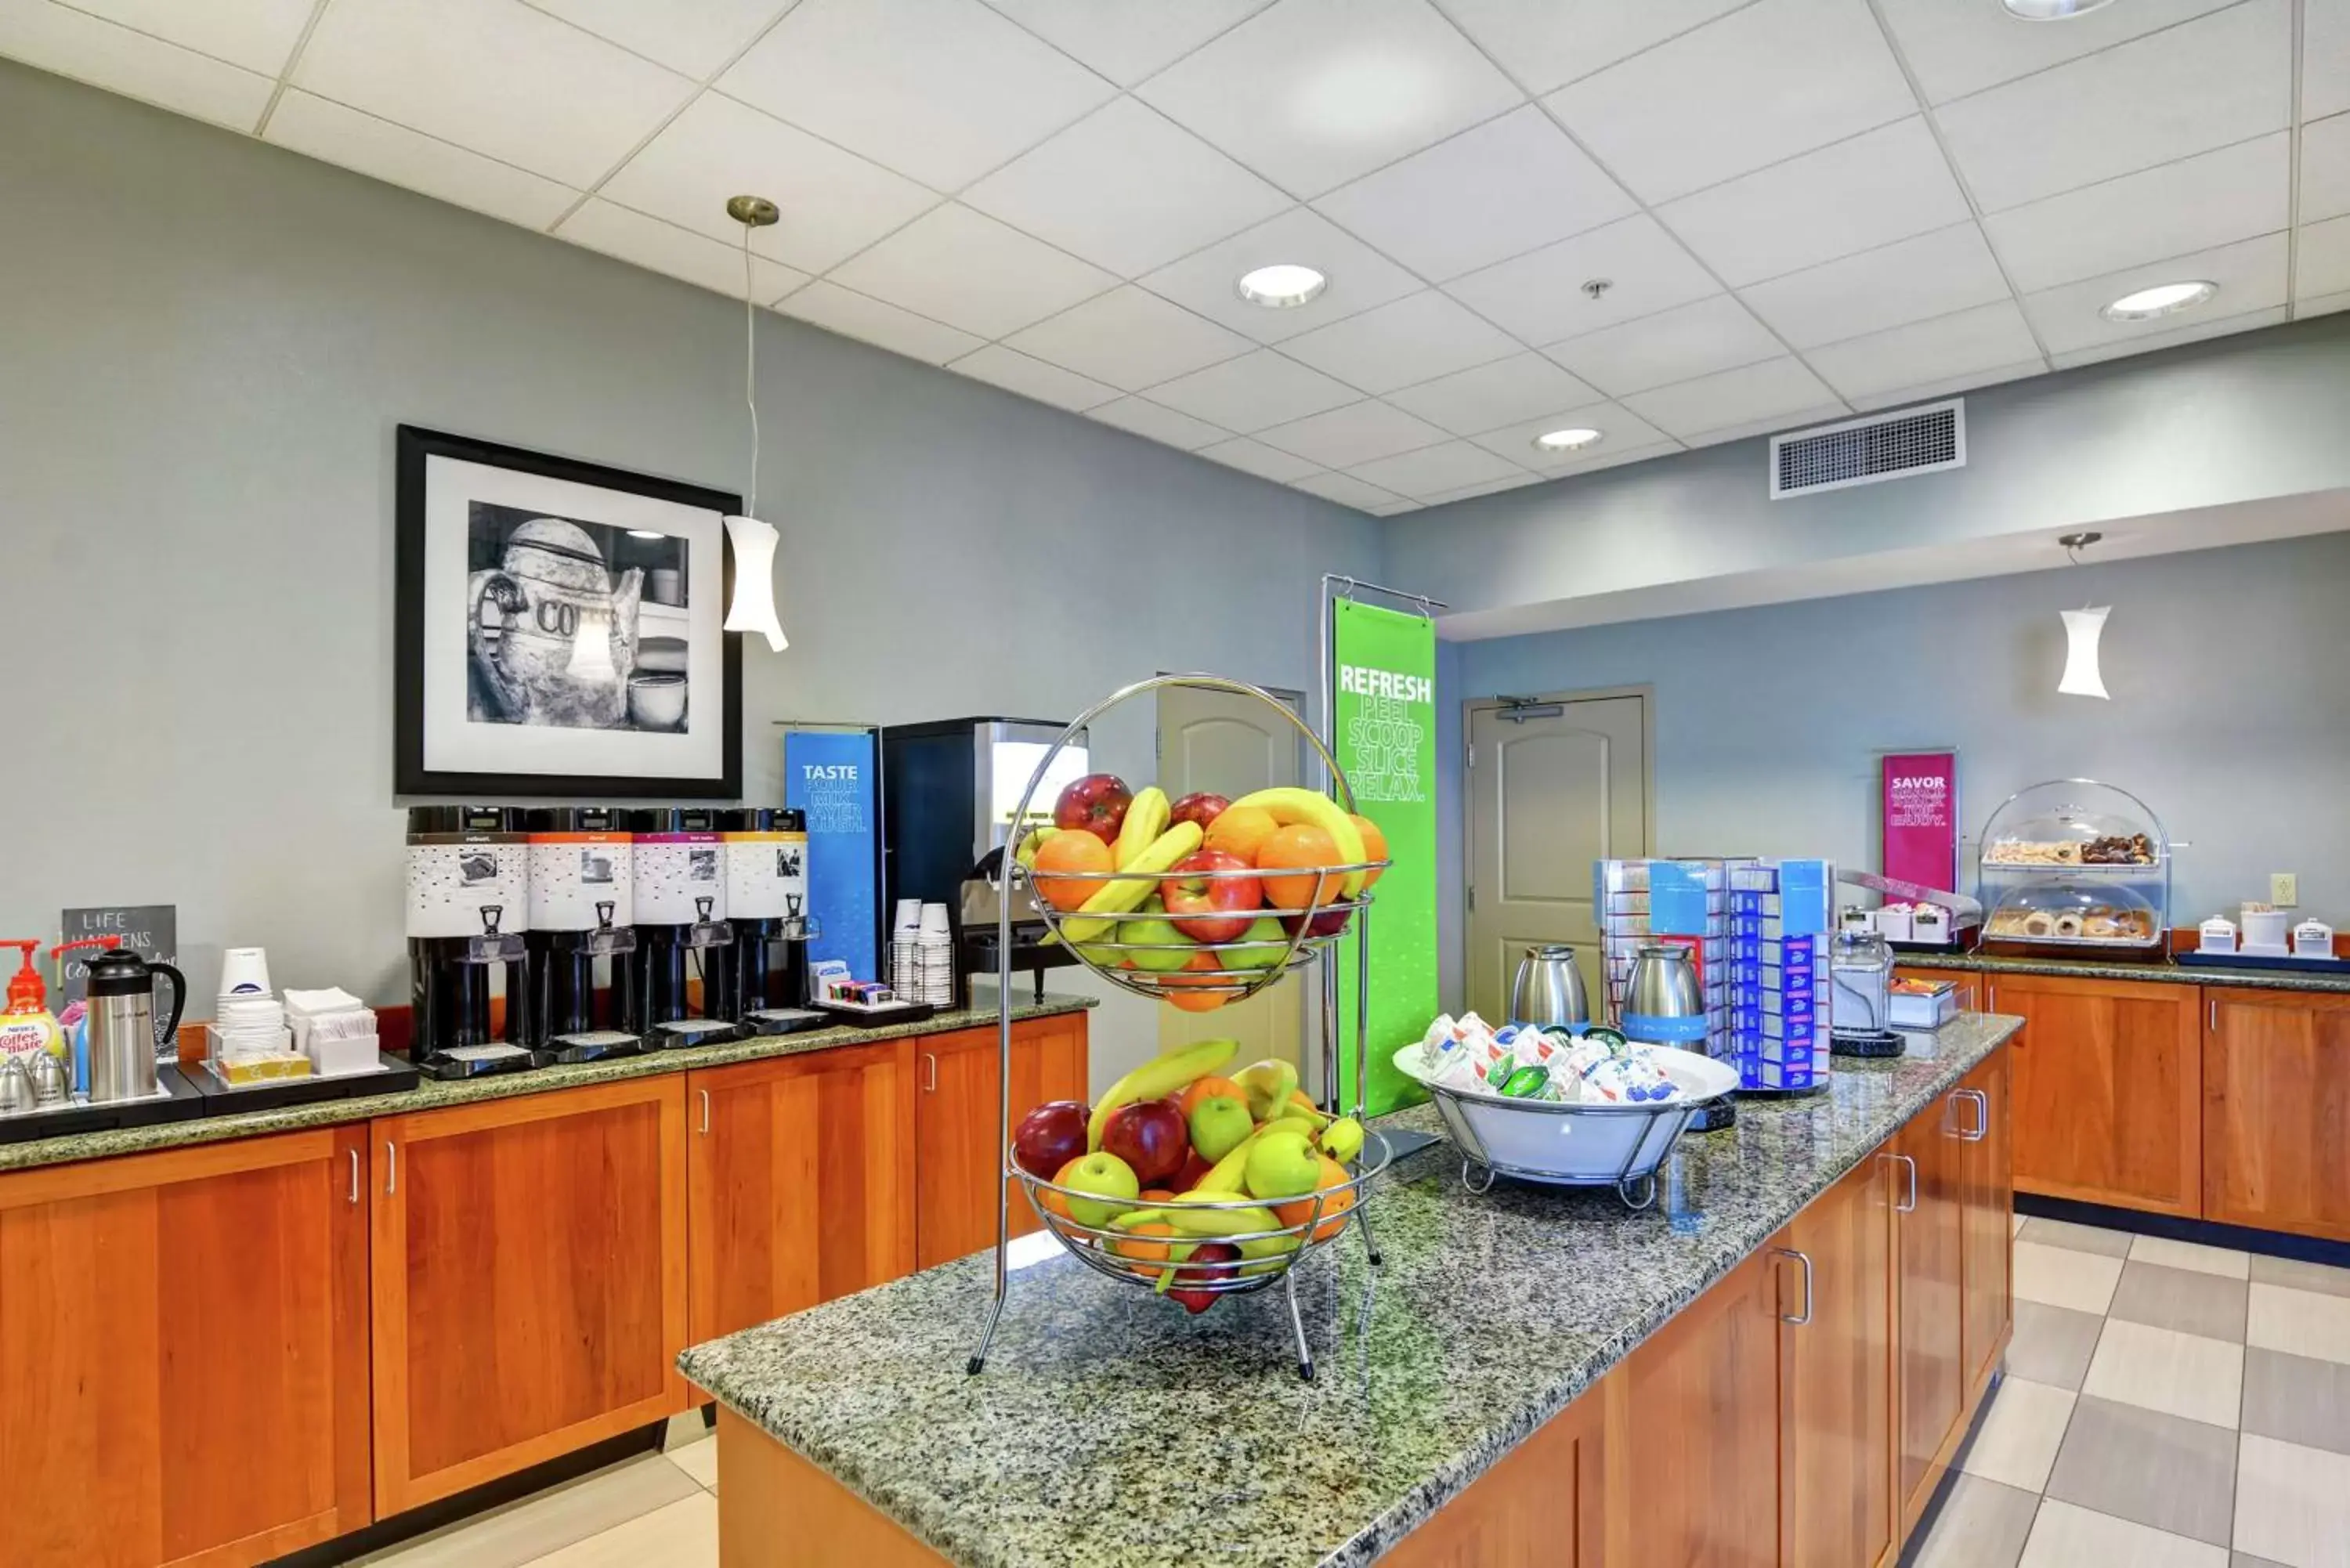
<point x="582" y="933"/>
<point x="468" y="908"/>
<point x="683" y="940"/>
<point x="765" y="858"/>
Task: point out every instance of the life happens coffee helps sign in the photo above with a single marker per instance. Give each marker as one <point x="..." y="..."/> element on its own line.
<point x="150" y="930"/>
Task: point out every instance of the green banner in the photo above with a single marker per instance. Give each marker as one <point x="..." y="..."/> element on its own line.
<point x="1384" y="709"/>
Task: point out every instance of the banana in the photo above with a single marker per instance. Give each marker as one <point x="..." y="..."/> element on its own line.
<point x="1268" y="1252"/>
<point x="1342" y="1140"/>
<point x="1225" y="1176"/>
<point x="1203" y="1224"/>
<point x="1146" y="819"/>
<point x="1289" y="804"/>
<point x="1269" y="1083"/>
<point x="1159" y="1077"/>
<point x="1127" y="893"/>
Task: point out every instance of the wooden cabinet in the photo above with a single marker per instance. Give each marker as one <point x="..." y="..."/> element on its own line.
<point x="1836" y="1374"/>
<point x="1930" y="1247"/>
<point x="1693" y="1433"/>
<point x="1986" y="1206"/>
<point x="529" y="1281"/>
<point x="799" y="1182"/>
<point x="956" y="1120"/>
<point x="2276" y="1126"/>
<point x="1542" y="1507"/>
<point x="183" y="1355"/>
<point x="2107" y="1090"/>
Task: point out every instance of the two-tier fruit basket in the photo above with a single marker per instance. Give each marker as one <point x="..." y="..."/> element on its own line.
<point x="1217" y="1239"/>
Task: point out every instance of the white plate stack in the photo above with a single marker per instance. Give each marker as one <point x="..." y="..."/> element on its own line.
<point x="935" y="961"/>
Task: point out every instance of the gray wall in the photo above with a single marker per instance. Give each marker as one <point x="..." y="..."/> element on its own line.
<point x="205" y="346"/>
<point x="2229" y="716"/>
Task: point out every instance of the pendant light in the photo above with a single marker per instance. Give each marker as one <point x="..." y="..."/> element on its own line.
<point x="2082" y="629"/>
<point x="752" y="606"/>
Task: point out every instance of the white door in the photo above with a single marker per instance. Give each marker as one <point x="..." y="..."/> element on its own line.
<point x="1229" y="744"/>
<point x="1551" y="786"/>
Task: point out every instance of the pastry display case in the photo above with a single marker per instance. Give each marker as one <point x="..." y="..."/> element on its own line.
<point x="2075" y="866"/>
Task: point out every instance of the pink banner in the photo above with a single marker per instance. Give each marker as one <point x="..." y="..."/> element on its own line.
<point x="1920" y="802"/>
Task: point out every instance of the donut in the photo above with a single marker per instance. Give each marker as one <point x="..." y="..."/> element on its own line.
<point x="2039" y="923"/>
<point x="2068" y="853"/>
<point x="2068" y="924"/>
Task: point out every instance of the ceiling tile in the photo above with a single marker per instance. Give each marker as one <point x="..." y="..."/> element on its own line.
<point x="493" y="75"/>
<point x="1255" y="457"/>
<point x="119" y="60"/>
<point x="941" y="91"/>
<point x="2251" y="275"/>
<point x="1341" y="438"/>
<point x="1546" y="44"/>
<point x="1773" y="388"/>
<point x="1033" y="378"/>
<point x="1394" y="508"/>
<point x="1131" y="338"/>
<point x="1314" y="93"/>
<point x="1988" y="337"/>
<point x="1359" y="277"/>
<point x="2191" y="205"/>
<point x="1158" y="423"/>
<point x="1128" y="42"/>
<point x="2324" y="57"/>
<point x="833" y="204"/>
<point x="1956" y="50"/>
<point x="1255" y="390"/>
<point x="258" y="35"/>
<point x="2324" y="259"/>
<point x="1127" y="189"/>
<point x="1540" y="297"/>
<point x="1471" y="403"/>
<point x="1883" y="185"/>
<point x="2326" y="168"/>
<point x="2227" y="326"/>
<point x="1434" y="470"/>
<point x="853" y="315"/>
<point x="1910" y="280"/>
<point x="1414" y="340"/>
<point x="1489" y="487"/>
<point x="963" y="268"/>
<point x="1950" y="386"/>
<point x="1621" y="431"/>
<point x="2218" y="79"/>
<point x="1776" y="78"/>
<point x="693" y="36"/>
<point x="665" y="248"/>
<point x="1772" y="424"/>
<point x="1487" y="194"/>
<point x="407" y="157"/>
<point x="1347" y="491"/>
<point x="1689" y="340"/>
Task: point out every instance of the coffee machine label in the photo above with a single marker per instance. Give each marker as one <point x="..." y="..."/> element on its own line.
<point x="678" y="878"/>
<point x="582" y="882"/>
<point x="467" y="885"/>
<point x="766" y="876"/>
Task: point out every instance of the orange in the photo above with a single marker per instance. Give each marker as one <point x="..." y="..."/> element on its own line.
<point x="1156" y="1195"/>
<point x="1304" y="1101"/>
<point x="1196" y="1001"/>
<point x="1333" y="1209"/>
<point x="1133" y="1246"/>
<point x="1208" y="1088"/>
<point x="1239" y="829"/>
<point x="1374" y="846"/>
<point x="1071" y="852"/>
<point x="1053" y="1203"/>
<point x="1287" y="849"/>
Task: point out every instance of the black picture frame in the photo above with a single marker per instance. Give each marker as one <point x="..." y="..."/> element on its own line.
<point x="416" y="447"/>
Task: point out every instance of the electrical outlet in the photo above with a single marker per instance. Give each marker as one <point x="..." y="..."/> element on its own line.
<point x="2285" y="890"/>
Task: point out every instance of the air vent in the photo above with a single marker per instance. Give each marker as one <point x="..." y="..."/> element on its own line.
<point x="1865" y="452"/>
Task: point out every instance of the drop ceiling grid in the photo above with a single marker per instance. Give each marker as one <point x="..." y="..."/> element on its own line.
<point x="1399" y="351"/>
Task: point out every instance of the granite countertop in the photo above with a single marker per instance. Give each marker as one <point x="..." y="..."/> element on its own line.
<point x="1112" y="1429"/>
<point x="2161" y="972"/>
<point x="431" y="1093"/>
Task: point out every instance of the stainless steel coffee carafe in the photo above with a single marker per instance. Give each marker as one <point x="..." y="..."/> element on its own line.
<point x="1548" y="989"/>
<point x="124" y="1038"/>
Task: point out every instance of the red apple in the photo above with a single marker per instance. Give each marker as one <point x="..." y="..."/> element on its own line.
<point x="1328" y="923"/>
<point x="1050" y="1137"/>
<point x="1195" y="1171"/>
<point x="1201" y="807"/>
<point x="1210" y="909"/>
<point x="1095" y="803"/>
<point x="1151" y="1136"/>
<point x="1210" y="1261"/>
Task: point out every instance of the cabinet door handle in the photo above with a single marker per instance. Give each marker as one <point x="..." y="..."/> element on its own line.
<point x="1981" y="1103"/>
<point x="2215" y="1015"/>
<point x="391" y="1169"/>
<point x="1800" y="1319"/>
<point x="930" y="1072"/>
<point x="705" y="1113"/>
<point x="355" y="1178"/>
<point x="1910" y="1204"/>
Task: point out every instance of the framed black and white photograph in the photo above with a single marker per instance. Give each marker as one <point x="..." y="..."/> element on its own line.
<point x="559" y="628"/>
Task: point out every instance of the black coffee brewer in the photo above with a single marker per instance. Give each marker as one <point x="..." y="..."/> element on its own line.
<point x="766" y="981"/>
<point x="468" y="908"/>
<point x="684" y="943"/>
<point x="583" y="933"/>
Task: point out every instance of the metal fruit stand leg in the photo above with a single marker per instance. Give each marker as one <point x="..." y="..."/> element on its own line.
<point x="1240" y="970"/>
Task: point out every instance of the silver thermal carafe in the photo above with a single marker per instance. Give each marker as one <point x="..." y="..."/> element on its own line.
<point x="468" y="908"/>
<point x="124" y="1037"/>
<point x="684" y="941"/>
<point x="765" y="979"/>
<point x="1664" y="1006"/>
<point x="583" y="933"/>
<point x="1548" y="989"/>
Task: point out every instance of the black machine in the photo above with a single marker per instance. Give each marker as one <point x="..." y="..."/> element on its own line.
<point x="764" y="983"/>
<point x="582" y="933"/>
<point x="684" y="942"/>
<point x="468" y="908"/>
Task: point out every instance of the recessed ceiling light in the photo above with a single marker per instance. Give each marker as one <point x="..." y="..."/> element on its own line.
<point x="1282" y="286"/>
<point x="2162" y="299"/>
<point x="2054" y="10"/>
<point x="647" y="533"/>
<point x="1567" y="439"/>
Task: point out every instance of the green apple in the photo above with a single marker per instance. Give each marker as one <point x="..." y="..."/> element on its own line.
<point x="1281" y="1164"/>
<point x="1342" y="1140"/>
<point x="1268" y="1251"/>
<point x="1263" y="928"/>
<point x="1104" y="1175"/>
<point x="1219" y="1124"/>
<point x="1153" y="944"/>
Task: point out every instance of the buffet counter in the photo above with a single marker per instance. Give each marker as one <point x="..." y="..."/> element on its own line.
<point x="2161" y="973"/>
<point x="1109" y="1428"/>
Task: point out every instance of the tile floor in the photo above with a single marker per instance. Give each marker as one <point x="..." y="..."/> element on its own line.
<point x="2166" y="1405"/>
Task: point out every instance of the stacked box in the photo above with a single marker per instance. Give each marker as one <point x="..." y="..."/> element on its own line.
<point x="1684" y="902"/>
<point x="1780" y="934"/>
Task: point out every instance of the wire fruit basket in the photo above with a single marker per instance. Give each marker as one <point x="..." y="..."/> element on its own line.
<point x="1199" y="1247"/>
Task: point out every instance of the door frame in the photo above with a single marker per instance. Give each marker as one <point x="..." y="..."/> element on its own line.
<point x="1469" y="706"/>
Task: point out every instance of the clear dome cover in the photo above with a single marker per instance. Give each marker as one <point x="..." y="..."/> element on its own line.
<point x="2074" y="862"/>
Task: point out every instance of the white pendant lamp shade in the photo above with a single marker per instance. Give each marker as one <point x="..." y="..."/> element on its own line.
<point x="752" y="606"/>
<point x="2082" y="630"/>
